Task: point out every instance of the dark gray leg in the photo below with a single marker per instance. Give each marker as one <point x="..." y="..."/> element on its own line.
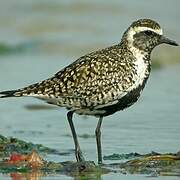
<point x="78" y="153"/>
<point x="98" y="140"/>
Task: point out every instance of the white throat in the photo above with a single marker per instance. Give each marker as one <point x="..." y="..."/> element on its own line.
<point x="142" y="70"/>
<point x="140" y="55"/>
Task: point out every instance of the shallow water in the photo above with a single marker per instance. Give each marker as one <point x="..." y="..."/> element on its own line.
<point x="50" y="36"/>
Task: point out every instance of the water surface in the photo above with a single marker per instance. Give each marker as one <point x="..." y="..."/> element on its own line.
<point x="43" y="37"/>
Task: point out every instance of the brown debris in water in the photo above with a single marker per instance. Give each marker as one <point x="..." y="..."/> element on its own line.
<point x="32" y="160"/>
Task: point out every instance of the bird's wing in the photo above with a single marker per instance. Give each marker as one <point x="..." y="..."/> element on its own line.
<point x="90" y="81"/>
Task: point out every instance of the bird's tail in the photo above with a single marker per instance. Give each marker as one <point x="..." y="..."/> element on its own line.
<point x="5" y="94"/>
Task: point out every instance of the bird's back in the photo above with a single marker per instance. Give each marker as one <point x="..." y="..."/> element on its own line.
<point x="96" y="80"/>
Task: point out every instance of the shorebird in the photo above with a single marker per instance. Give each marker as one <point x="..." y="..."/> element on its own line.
<point x="102" y="82"/>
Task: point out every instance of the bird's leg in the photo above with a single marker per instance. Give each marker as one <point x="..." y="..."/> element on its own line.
<point x="78" y="153"/>
<point x="98" y="140"/>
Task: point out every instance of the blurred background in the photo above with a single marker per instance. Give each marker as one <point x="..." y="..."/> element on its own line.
<point x="38" y="38"/>
<point x="72" y="28"/>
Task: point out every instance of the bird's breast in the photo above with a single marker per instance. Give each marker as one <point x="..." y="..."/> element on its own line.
<point x="142" y="70"/>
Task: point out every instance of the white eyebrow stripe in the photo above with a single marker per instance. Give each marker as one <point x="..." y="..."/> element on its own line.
<point x="133" y="30"/>
<point x="140" y="29"/>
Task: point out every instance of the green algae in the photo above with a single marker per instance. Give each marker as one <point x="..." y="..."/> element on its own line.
<point x="161" y="164"/>
<point x="121" y="156"/>
<point x="9" y="145"/>
<point x="133" y="163"/>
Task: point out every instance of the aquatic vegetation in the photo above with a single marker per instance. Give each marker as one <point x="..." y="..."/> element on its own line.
<point x="122" y="156"/>
<point x="10" y="145"/>
<point x="20" y="159"/>
<point x="163" y="164"/>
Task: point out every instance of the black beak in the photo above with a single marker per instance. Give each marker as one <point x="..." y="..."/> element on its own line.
<point x="165" y="40"/>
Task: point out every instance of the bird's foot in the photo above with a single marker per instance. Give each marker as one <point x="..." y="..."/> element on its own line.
<point x="79" y="156"/>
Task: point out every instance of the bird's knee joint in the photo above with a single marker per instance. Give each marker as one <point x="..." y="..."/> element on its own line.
<point x="97" y="132"/>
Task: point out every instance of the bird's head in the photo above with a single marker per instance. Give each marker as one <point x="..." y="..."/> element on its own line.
<point x="145" y="34"/>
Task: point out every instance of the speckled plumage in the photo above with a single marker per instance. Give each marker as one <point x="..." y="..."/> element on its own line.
<point x="93" y="81"/>
<point x="103" y="82"/>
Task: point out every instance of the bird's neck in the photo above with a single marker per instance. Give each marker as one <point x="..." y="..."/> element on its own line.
<point x="136" y="52"/>
<point x="139" y="54"/>
<point x="128" y="42"/>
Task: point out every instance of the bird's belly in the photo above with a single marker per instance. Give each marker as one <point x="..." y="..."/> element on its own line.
<point x="124" y="102"/>
<point x="127" y="100"/>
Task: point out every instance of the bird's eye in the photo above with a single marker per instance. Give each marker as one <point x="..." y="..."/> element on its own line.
<point x="148" y="33"/>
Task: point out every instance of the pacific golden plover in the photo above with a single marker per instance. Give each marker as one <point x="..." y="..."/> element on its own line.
<point x="102" y="82"/>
